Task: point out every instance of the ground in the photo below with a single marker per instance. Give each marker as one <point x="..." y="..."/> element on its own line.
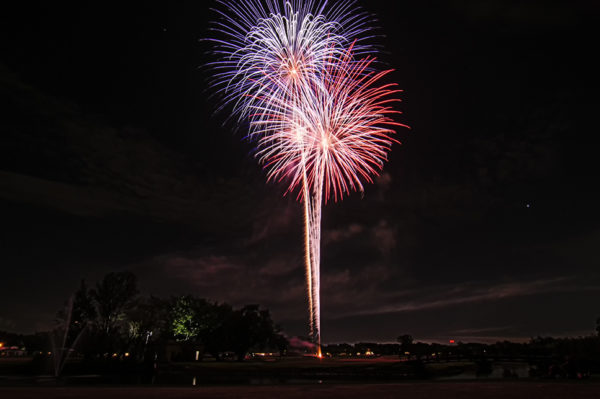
<point x="462" y="390"/>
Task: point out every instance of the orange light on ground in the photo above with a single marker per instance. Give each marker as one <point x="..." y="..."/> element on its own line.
<point x="319" y="354"/>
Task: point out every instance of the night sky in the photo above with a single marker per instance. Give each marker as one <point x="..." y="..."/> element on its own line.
<point x="483" y="226"/>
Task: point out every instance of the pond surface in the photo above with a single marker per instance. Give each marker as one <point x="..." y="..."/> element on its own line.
<point x="500" y="370"/>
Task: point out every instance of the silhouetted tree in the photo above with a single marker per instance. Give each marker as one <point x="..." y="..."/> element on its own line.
<point x="82" y="313"/>
<point x="251" y="327"/>
<point x="196" y="320"/>
<point x="281" y="343"/>
<point x="149" y="323"/>
<point x="113" y="296"/>
<point x="215" y="328"/>
<point x="406" y="341"/>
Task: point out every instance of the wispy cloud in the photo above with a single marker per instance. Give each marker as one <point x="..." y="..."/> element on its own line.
<point x="342" y="234"/>
<point x="277" y="285"/>
<point x="444" y="297"/>
<point x="473" y="331"/>
<point x="7" y="323"/>
<point x="384" y="237"/>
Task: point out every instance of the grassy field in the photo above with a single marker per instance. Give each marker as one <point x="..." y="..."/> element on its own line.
<point x="262" y="371"/>
<point x="297" y="378"/>
<point x="211" y="371"/>
<point x="289" y="370"/>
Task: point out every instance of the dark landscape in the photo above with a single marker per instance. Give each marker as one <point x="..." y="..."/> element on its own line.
<point x="303" y="199"/>
<point x="510" y="390"/>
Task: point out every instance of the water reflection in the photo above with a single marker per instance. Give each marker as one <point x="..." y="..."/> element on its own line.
<point x="496" y="371"/>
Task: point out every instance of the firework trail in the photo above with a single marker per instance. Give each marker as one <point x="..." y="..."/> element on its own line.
<point x="301" y="73"/>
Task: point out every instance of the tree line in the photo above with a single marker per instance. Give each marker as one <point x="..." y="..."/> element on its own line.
<point x="537" y="347"/>
<point x="112" y="319"/>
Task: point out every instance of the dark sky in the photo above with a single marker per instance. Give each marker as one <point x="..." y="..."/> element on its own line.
<point x="483" y="226"/>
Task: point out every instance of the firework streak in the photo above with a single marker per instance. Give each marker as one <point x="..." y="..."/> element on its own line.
<point x="302" y="74"/>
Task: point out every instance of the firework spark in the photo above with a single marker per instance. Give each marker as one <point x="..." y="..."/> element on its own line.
<point x="336" y="133"/>
<point x="301" y="73"/>
<point x="280" y="45"/>
<point x="332" y="137"/>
